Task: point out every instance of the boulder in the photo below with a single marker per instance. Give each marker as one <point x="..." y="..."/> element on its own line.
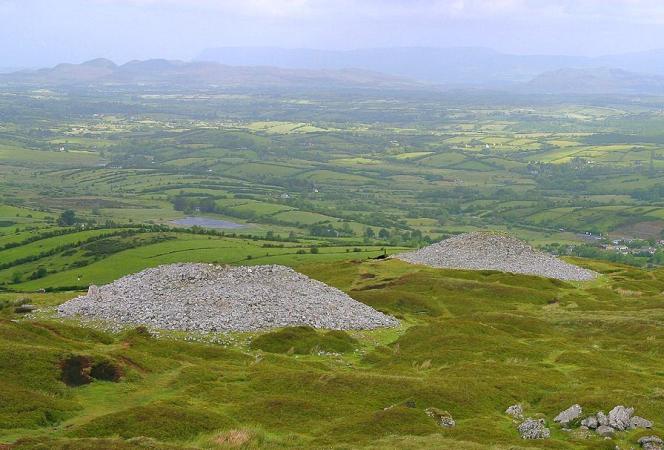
<point x="569" y="415"/>
<point x="651" y="443"/>
<point x="24" y="309"/>
<point x="605" y="431"/>
<point x="602" y="419"/>
<point x="590" y="422"/>
<point x="534" y="429"/>
<point x="639" y="422"/>
<point x="442" y="418"/>
<point x="619" y="418"/>
<point x="93" y="290"/>
<point x="516" y="411"/>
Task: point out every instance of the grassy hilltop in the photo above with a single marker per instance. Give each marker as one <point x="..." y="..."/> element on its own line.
<point x="472" y="343"/>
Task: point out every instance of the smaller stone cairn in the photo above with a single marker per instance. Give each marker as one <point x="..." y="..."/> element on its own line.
<point x="495" y="251"/>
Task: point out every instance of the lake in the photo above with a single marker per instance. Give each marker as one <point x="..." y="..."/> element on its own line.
<point x="206" y="222"/>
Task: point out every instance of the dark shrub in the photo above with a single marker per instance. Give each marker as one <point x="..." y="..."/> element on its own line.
<point x="106" y="370"/>
<point x="142" y="331"/>
<point x="75" y="370"/>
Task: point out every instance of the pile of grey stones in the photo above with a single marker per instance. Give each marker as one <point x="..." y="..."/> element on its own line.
<point x="618" y="419"/>
<point x="213" y="298"/>
<point x="495" y="251"/>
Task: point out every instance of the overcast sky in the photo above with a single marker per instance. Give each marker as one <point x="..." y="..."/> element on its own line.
<point x="44" y="32"/>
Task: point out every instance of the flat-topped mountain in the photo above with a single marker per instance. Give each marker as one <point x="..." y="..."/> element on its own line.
<point x="602" y="80"/>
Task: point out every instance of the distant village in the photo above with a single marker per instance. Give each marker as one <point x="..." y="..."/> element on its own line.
<point x="624" y="245"/>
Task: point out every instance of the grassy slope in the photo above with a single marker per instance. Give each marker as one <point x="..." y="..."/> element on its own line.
<point x="472" y="343"/>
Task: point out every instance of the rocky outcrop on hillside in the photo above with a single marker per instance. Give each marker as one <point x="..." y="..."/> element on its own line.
<point x="619" y="419"/>
<point x="207" y="298"/>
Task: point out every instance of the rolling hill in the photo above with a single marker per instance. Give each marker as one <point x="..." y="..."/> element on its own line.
<point x="199" y="74"/>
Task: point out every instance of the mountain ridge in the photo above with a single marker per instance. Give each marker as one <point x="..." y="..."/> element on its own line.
<point x="600" y="80"/>
<point x="477" y="66"/>
<point x="102" y="71"/>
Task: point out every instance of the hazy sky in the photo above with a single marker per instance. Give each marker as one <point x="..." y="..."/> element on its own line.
<point x="41" y="32"/>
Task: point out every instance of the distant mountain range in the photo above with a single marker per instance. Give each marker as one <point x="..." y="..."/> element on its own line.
<point x="601" y="80"/>
<point x="527" y="77"/>
<point x="201" y="74"/>
<point x="448" y="66"/>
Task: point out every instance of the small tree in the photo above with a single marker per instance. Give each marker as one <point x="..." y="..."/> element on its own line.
<point x="67" y="218"/>
<point x="39" y="273"/>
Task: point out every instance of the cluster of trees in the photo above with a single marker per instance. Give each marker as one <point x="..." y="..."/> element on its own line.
<point x="190" y="204"/>
<point x="595" y="252"/>
<point x="653" y="193"/>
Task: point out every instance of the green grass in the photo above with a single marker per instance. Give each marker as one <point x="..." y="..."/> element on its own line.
<point x="22" y="156"/>
<point x="303" y="340"/>
<point x="472" y="343"/>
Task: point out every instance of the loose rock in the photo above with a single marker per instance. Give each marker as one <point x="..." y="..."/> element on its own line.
<point x="591" y="422"/>
<point x="651" y="443"/>
<point x="639" y="422"/>
<point x="205" y="297"/>
<point x="495" y="251"/>
<point x="605" y="430"/>
<point x="442" y="418"/>
<point x="534" y="429"/>
<point x="569" y="415"/>
<point x="24" y="309"/>
<point x="619" y="418"/>
<point x="516" y="411"/>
